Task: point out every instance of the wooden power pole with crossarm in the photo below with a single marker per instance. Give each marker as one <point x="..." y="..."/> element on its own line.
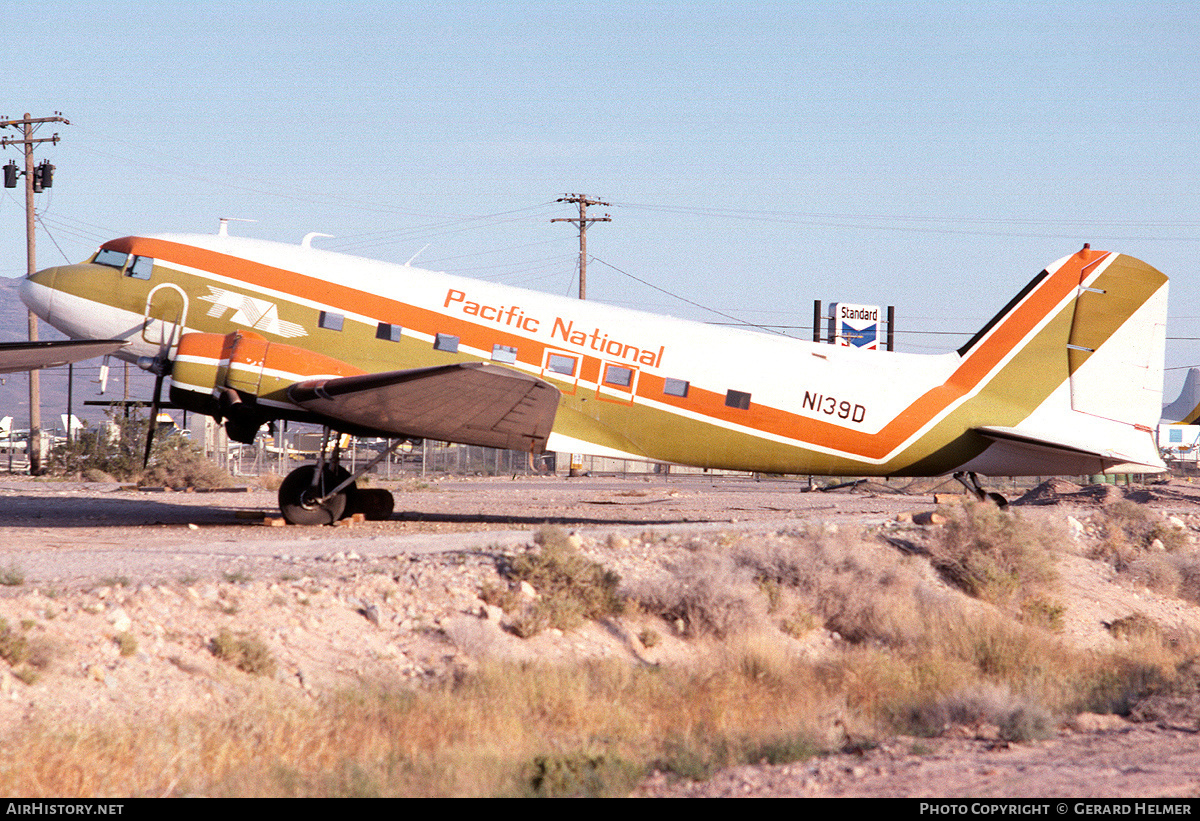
<point x="36" y="179"/>
<point x="583" y="222"/>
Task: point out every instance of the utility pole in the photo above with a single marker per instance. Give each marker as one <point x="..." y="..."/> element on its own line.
<point x="35" y="181"/>
<point x="583" y="221"/>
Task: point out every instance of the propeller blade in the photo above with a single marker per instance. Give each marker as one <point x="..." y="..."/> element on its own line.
<point x="103" y="376"/>
<point x="161" y="366"/>
<point x="154" y="405"/>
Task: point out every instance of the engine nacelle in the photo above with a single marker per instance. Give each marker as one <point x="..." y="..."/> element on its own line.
<point x="243" y="377"/>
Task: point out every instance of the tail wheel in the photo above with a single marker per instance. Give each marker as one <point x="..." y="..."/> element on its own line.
<point x="302" y="504"/>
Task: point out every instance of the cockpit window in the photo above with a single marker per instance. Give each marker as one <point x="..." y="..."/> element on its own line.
<point x="111" y="258"/>
<point x="140" y="268"/>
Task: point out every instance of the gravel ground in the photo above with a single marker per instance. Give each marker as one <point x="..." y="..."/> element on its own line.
<point x="84" y="563"/>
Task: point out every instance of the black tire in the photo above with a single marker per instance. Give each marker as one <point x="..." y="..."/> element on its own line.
<point x="295" y="492"/>
<point x="376" y="504"/>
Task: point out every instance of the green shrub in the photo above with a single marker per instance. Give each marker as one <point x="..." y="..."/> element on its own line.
<point x="571" y="587"/>
<point x="11" y="575"/>
<point x="14" y="647"/>
<point x="1041" y="611"/>
<point x="174" y="461"/>
<point x="580" y="775"/>
<point x="245" y="651"/>
<point x="1015" y="718"/>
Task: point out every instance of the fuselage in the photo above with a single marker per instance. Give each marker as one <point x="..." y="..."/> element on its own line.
<point x="634" y="384"/>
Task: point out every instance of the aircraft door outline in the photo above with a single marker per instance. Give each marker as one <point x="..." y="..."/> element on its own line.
<point x="166" y="314"/>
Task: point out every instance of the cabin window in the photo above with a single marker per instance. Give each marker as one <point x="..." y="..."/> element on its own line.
<point x="737" y="399"/>
<point x="331" y="321"/>
<point x="140" y="268"/>
<point x="111" y="258"/>
<point x="389" y="332"/>
<point x="1175" y="436"/>
<point x="617" y="375"/>
<point x="557" y="363"/>
<point x="675" y="387"/>
<point x="446" y="342"/>
<point x="504" y="353"/>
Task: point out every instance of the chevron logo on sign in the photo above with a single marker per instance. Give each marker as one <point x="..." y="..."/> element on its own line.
<point x="860" y="337"/>
<point x="854" y="326"/>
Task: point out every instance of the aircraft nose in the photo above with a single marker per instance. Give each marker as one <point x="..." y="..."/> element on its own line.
<point x="37" y="291"/>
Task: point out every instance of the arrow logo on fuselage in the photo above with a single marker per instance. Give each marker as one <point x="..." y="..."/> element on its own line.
<point x="256" y="314"/>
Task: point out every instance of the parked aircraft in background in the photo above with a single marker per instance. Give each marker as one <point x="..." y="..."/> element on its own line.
<point x="1186" y="409"/>
<point x="1066" y="379"/>
<point x="9" y="438"/>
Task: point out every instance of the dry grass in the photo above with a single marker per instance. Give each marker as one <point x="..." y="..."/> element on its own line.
<point x="1172" y="574"/>
<point x="1014" y="717"/>
<point x="509" y="730"/>
<point x="1129" y="531"/>
<point x="996" y="555"/>
<point x="914" y="657"/>
<point x="709" y="595"/>
<point x="583" y="729"/>
<point x="269" y="481"/>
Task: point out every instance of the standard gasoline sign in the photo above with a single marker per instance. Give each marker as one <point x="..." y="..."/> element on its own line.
<point x="854" y="325"/>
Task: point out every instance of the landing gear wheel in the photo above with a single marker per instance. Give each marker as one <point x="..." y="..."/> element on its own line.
<point x="298" y="499"/>
<point x="375" y="504"/>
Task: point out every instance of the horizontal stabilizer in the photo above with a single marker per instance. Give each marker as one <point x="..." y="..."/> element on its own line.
<point x="28" y="356"/>
<point x="473" y="403"/>
<point x="1090" y="459"/>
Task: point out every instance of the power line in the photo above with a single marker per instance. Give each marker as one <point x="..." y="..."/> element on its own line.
<point x="688" y="301"/>
<point x="930" y="225"/>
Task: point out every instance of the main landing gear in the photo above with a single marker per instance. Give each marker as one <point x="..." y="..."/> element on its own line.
<point x="307" y="496"/>
<point x="974" y="488"/>
<point x="323" y="493"/>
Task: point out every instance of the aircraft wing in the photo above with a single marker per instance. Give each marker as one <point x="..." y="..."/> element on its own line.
<point x="28" y="356"/>
<point x="1137" y="460"/>
<point x="473" y="403"/>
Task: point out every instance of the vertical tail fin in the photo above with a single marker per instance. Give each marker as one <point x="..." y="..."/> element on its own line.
<point x="1076" y="365"/>
<point x="1118" y="341"/>
<point x="1186" y="409"/>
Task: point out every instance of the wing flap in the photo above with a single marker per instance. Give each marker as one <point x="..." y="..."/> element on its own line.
<point x="28" y="356"/>
<point x="474" y="403"/>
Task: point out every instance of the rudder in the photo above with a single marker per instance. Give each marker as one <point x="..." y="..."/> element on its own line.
<point x="1117" y="342"/>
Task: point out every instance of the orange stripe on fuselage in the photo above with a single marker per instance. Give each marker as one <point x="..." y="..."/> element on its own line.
<point x="976" y="365"/>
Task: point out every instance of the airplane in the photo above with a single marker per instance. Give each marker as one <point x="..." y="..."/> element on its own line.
<point x="11" y="439"/>
<point x="1065" y="380"/>
<point x="1185" y="410"/>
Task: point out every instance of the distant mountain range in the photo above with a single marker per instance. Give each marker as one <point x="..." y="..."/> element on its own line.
<point x="14" y="387"/>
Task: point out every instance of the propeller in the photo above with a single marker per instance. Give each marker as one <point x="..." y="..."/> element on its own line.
<point x="103" y="375"/>
<point x="160" y="366"/>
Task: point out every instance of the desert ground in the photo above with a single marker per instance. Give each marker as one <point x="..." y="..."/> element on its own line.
<point x="124" y="592"/>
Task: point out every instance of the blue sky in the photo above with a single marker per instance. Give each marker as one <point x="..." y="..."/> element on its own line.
<point x="756" y="156"/>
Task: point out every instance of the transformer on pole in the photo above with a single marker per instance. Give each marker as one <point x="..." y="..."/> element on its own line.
<point x="36" y="179"/>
